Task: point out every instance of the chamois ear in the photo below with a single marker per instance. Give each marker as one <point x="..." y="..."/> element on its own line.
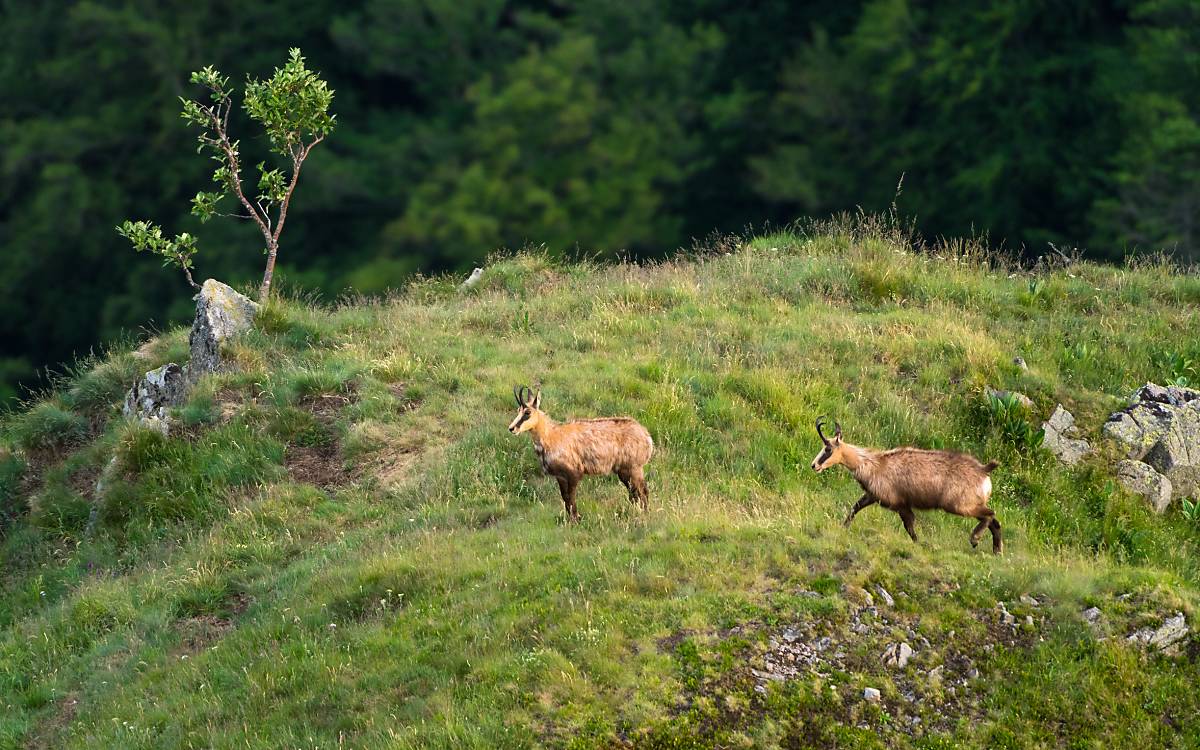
<point x="837" y="431"/>
<point x="537" y="399"/>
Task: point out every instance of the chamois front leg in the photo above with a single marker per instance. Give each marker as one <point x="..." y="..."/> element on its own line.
<point x="566" y="486"/>
<point x="909" y="519"/>
<point x="863" y="502"/>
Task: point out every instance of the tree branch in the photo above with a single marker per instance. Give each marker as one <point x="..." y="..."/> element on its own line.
<point x="297" y="163"/>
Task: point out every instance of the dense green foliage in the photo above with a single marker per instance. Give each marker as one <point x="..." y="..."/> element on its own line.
<point x="342" y="545"/>
<point x="467" y="125"/>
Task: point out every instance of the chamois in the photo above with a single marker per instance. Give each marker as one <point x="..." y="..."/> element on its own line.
<point x="908" y="479"/>
<point x="570" y="451"/>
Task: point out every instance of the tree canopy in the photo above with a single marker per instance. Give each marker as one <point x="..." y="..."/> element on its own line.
<point x="588" y="126"/>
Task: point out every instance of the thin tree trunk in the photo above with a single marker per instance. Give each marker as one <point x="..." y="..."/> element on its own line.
<point x="265" y="290"/>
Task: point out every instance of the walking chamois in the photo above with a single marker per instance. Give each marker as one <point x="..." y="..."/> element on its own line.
<point x="908" y="479"/>
<point x="572" y="450"/>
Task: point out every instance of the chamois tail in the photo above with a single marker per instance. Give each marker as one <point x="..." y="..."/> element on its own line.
<point x="990" y="466"/>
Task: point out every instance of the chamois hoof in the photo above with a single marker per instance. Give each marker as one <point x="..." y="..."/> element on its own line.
<point x="974" y="544"/>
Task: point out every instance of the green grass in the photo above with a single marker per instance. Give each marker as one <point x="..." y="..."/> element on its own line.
<point x="343" y="544"/>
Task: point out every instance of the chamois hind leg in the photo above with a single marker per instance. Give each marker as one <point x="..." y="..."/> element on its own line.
<point x="566" y="486"/>
<point x="863" y="502"/>
<point x="985" y="515"/>
<point x="997" y="542"/>
<point x="909" y="519"/>
<point x="639" y="484"/>
<point x="626" y="476"/>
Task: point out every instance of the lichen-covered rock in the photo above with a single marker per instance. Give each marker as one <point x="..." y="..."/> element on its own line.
<point x="1161" y="427"/>
<point x="221" y="313"/>
<point x="151" y="398"/>
<point x="1017" y="396"/>
<point x="1142" y="479"/>
<point x="1057" y="433"/>
<point x="1167" y="638"/>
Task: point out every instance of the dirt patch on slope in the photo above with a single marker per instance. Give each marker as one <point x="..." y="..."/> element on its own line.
<point x="319" y="465"/>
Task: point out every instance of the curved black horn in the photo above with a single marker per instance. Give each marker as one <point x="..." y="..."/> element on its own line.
<point x="526" y="395"/>
<point x="517" y="395"/>
<point x="820" y="420"/>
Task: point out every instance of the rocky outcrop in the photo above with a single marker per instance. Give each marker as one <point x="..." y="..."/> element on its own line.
<point x="1168" y="638"/>
<point x="1142" y="479"/>
<point x="1160" y="429"/>
<point x="151" y="398"/>
<point x="221" y="313"/>
<point x="1058" y="432"/>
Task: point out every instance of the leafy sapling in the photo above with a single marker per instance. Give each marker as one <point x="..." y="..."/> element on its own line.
<point x="178" y="251"/>
<point x="293" y="108"/>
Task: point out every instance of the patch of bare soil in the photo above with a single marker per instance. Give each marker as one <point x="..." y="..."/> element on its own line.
<point x="83" y="480"/>
<point x="202" y="632"/>
<point x="318" y="465"/>
<point x="64" y="713"/>
<point x="326" y="406"/>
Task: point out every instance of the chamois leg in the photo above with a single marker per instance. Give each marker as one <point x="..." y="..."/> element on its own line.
<point x="997" y="542"/>
<point x="985" y="516"/>
<point x="627" y="479"/>
<point x="909" y="518"/>
<point x="643" y="490"/>
<point x="863" y="502"/>
<point x="566" y="486"/>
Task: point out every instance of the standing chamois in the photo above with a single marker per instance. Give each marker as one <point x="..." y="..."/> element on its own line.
<point x="585" y="446"/>
<point x="908" y="479"/>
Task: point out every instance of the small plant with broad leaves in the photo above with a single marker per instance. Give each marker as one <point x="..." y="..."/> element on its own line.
<point x="293" y="108"/>
<point x="1009" y="415"/>
<point x="1190" y="509"/>
<point x="1178" y="369"/>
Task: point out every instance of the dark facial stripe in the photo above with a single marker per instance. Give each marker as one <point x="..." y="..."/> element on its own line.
<point x="825" y="454"/>
<point x="521" y="421"/>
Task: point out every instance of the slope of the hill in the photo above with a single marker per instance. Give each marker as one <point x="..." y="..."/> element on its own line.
<point x="343" y="546"/>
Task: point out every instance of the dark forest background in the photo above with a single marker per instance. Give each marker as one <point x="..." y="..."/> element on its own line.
<point x="597" y="126"/>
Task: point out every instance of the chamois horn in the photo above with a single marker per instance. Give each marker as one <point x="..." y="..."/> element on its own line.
<point x="824" y="439"/>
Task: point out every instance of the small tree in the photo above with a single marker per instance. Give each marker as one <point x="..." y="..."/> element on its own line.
<point x="293" y="107"/>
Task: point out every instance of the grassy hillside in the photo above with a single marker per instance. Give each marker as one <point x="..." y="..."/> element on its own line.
<point x="343" y="546"/>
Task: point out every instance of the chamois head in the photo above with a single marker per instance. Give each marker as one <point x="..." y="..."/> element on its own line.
<point x="529" y="411"/>
<point x="831" y="453"/>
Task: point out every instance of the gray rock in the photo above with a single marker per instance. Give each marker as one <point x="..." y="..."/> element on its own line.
<point x="1092" y="615"/>
<point x="1029" y="600"/>
<point x="151" y="398"/>
<point x="885" y="596"/>
<point x="1161" y="427"/>
<point x="1168" y="638"/>
<point x="1020" y="362"/>
<point x="1057" y="433"/>
<point x="1142" y="479"/>
<point x="935" y="674"/>
<point x="221" y="314"/>
<point x="898" y="655"/>
<point x="473" y="279"/>
<point x="1173" y="395"/>
<point x="872" y="695"/>
<point x="1021" y="398"/>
